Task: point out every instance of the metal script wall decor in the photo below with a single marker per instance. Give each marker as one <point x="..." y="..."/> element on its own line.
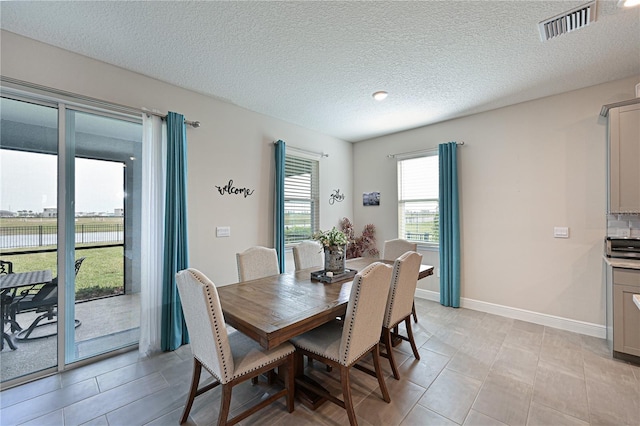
<point x="336" y="196"/>
<point x="232" y="190"/>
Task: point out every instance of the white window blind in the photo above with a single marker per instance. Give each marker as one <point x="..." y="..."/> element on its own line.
<point x="418" y="200"/>
<point x="300" y="199"/>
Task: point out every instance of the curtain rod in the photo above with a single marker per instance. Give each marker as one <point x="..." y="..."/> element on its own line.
<point x="304" y="151"/>
<point x="422" y="151"/>
<point x="76" y="97"/>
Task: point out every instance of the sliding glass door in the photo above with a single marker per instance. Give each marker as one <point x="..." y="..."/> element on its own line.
<point x="87" y="240"/>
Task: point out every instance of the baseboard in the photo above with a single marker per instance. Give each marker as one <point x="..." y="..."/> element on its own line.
<point x="589" y="329"/>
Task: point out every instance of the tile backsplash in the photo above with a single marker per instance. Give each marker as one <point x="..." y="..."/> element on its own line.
<point x="623" y="225"/>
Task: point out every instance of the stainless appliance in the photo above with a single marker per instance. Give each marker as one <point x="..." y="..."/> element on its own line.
<point x="622" y="247"/>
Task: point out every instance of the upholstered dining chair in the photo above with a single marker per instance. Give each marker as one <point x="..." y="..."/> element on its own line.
<point x="403" y="286"/>
<point x="392" y="250"/>
<point x="257" y="262"/>
<point x="341" y="344"/>
<point x="230" y="358"/>
<point x="308" y="254"/>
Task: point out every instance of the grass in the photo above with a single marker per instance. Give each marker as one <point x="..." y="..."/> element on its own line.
<point x="101" y="273"/>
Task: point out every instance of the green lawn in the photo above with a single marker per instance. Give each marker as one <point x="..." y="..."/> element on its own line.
<point x="101" y="273"/>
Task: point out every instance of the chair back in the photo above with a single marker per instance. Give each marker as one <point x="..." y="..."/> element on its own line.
<point x="308" y="254"/>
<point x="6" y="267"/>
<point x="403" y="287"/>
<point x="257" y="262"/>
<point x="393" y="249"/>
<point x="205" y="323"/>
<point x="48" y="293"/>
<point x="363" y="320"/>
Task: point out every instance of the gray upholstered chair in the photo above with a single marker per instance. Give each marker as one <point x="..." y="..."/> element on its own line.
<point x="308" y="254"/>
<point x="392" y="250"/>
<point x="341" y="344"/>
<point x="231" y="359"/>
<point x="399" y="303"/>
<point x="257" y="262"/>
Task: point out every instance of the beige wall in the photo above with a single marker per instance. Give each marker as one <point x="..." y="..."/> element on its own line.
<point x="232" y="143"/>
<point x="523" y="170"/>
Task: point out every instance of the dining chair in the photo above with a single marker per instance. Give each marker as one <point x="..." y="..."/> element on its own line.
<point x="230" y="358"/>
<point x="341" y="344"/>
<point x="308" y="254"/>
<point x="392" y="250"/>
<point x="257" y="262"/>
<point x="403" y="286"/>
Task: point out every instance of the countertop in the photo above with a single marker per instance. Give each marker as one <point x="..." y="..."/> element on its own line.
<point x="622" y="263"/>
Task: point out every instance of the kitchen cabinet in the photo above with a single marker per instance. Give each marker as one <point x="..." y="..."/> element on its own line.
<point x="626" y="315"/>
<point x="624" y="159"/>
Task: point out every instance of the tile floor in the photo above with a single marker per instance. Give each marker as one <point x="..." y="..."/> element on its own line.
<point x="475" y="369"/>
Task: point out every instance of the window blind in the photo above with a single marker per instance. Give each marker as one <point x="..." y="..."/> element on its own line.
<point x="418" y="199"/>
<point x="300" y="198"/>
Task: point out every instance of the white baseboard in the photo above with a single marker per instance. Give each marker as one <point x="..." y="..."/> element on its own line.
<point x="587" y="328"/>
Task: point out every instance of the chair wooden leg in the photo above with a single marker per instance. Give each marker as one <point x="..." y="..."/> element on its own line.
<point x="195" y="379"/>
<point x="413" y="312"/>
<point x="407" y="322"/>
<point x="346" y="395"/>
<point x="291" y="383"/>
<point x="386" y="336"/>
<point x="225" y="402"/>
<point x="381" y="382"/>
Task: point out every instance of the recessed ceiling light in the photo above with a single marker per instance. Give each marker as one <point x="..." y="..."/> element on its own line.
<point x="628" y="3"/>
<point x="381" y="95"/>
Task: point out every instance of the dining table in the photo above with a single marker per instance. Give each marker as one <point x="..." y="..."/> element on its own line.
<point x="272" y="310"/>
<point x="9" y="282"/>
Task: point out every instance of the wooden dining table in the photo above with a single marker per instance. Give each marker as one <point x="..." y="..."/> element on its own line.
<point x="274" y="309"/>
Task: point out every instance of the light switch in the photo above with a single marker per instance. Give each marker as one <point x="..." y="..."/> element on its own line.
<point x="223" y="231"/>
<point x="561" y="232"/>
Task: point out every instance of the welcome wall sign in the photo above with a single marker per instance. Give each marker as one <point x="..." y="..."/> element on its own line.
<point x="229" y="189"/>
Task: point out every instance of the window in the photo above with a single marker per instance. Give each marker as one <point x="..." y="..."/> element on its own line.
<point x="300" y="199"/>
<point x="418" y="202"/>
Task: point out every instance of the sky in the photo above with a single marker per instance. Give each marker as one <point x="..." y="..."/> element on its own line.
<point x="28" y="181"/>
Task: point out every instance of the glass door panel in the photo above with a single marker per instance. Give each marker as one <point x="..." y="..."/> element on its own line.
<point x="28" y="237"/>
<point x="106" y="311"/>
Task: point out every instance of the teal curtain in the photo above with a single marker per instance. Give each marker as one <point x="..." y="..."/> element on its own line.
<point x="449" y="226"/>
<point x="176" y="256"/>
<point x="278" y="214"/>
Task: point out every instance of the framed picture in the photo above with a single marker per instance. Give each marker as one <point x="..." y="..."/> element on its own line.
<point x="371" y="198"/>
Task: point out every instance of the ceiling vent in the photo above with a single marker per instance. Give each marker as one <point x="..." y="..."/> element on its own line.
<point x="566" y="22"/>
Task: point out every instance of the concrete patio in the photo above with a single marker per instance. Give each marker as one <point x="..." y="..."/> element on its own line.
<point x="106" y="324"/>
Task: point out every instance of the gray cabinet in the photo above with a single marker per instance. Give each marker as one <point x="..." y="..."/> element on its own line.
<point x="626" y="315"/>
<point x="624" y="159"/>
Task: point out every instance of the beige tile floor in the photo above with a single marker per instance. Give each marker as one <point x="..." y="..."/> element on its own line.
<point x="475" y="369"/>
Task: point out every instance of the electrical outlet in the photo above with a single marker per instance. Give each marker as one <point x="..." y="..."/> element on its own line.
<point x="223" y="231"/>
<point x="561" y="232"/>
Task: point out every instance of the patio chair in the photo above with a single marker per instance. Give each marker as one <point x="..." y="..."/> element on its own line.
<point x="45" y="300"/>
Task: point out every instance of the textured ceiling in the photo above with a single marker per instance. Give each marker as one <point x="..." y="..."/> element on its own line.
<point x="316" y="64"/>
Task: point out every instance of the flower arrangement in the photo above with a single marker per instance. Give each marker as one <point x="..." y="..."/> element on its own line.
<point x="362" y="245"/>
<point x="331" y="238"/>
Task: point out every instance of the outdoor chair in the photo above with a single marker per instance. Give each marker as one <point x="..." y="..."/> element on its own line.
<point x="230" y="358"/>
<point x="392" y="250"/>
<point x="341" y="344"/>
<point x="308" y="254"/>
<point x="403" y="286"/>
<point x="44" y="300"/>
<point x="6" y="297"/>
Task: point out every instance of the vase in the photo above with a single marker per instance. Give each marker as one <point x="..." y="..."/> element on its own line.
<point x="335" y="259"/>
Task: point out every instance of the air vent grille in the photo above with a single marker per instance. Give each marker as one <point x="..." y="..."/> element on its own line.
<point x="566" y="22"/>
